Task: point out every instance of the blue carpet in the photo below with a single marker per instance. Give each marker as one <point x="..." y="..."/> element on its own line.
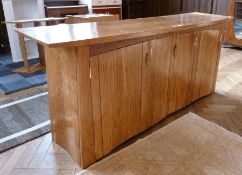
<point x="237" y="26"/>
<point x="238" y="30"/>
<point x="12" y="82"/>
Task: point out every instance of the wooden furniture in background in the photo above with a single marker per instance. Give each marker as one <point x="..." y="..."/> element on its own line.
<point x="27" y="69"/>
<point x="21" y="9"/>
<point x="230" y="34"/>
<point x="113" y="7"/>
<point x="135" y="9"/>
<point x="52" y="21"/>
<point x="62" y="8"/>
<point x="90" y="18"/>
<point x="238" y="9"/>
<point x="147" y="8"/>
<point x="116" y="79"/>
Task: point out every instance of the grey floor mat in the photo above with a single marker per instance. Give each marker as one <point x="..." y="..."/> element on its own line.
<point x="24" y="121"/>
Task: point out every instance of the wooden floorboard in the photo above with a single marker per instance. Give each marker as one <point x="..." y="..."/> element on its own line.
<point x="224" y="107"/>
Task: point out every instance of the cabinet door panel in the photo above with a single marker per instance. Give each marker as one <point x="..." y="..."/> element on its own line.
<point x="155" y="75"/>
<point x="120" y="88"/>
<point x="207" y="60"/>
<point x="181" y="71"/>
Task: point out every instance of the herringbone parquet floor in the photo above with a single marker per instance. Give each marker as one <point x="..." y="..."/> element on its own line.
<point x="42" y="157"/>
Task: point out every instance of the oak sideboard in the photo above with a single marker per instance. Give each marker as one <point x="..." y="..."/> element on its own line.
<point x="109" y="81"/>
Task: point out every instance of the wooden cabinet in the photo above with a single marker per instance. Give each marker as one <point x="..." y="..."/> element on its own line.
<point x="116" y="80"/>
<point x="149" y="80"/>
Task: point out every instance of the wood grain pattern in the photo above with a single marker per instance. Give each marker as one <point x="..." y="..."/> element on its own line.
<point x="87" y="139"/>
<point x="62" y="93"/>
<point x="155" y="75"/>
<point x="96" y="106"/>
<point x="161" y="51"/>
<point x="209" y="48"/>
<point x="40" y="20"/>
<point x="90" y="18"/>
<point x="120" y="77"/>
<point x="181" y="71"/>
<point x="113" y="31"/>
<point x="71" y="124"/>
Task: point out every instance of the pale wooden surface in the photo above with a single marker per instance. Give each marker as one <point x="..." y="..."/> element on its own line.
<point x="65" y="96"/>
<point x="70" y="114"/>
<point x="155" y="78"/>
<point x="111" y="31"/>
<point x="90" y="18"/>
<point x="114" y="84"/>
<point x="27" y="69"/>
<point x="181" y="71"/>
<point x="22" y="21"/>
<point x="42" y="157"/>
<point x="205" y="75"/>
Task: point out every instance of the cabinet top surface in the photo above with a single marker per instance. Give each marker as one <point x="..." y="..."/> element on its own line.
<point x="111" y="31"/>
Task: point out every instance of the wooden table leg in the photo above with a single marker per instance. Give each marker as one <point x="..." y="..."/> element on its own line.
<point x="26" y="68"/>
<point x="41" y="65"/>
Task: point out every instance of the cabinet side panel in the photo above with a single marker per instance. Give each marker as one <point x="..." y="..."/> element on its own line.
<point x="120" y="81"/>
<point x="208" y="56"/>
<point x="62" y="88"/>
<point x="181" y="71"/>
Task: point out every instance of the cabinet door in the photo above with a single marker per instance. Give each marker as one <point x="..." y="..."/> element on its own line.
<point x="207" y="61"/>
<point x="155" y="75"/>
<point x="181" y="71"/>
<point x="129" y="91"/>
<point x="120" y="89"/>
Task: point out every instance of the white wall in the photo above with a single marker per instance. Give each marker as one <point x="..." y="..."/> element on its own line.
<point x="89" y="3"/>
<point x="22" y="9"/>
